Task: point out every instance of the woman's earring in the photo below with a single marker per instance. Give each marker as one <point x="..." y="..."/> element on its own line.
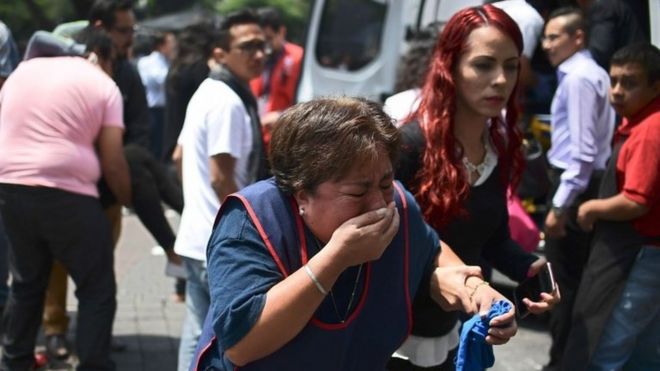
<point x="301" y="211"/>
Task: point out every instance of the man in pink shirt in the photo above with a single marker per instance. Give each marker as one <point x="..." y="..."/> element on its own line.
<point x="61" y="127"/>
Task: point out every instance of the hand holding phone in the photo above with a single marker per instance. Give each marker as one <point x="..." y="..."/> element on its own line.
<point x="532" y="287"/>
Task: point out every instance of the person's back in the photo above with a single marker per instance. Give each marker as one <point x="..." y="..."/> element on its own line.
<point x="61" y="127"/>
<point x="613" y="25"/>
<point x="52" y="111"/>
<point x="181" y="83"/>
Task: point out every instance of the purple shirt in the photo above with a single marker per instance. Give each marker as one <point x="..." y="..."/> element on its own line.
<point x="582" y="125"/>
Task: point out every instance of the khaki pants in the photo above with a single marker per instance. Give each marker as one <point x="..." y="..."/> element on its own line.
<point x="55" y="320"/>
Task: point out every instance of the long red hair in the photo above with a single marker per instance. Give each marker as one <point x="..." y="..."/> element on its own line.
<point x="442" y="180"/>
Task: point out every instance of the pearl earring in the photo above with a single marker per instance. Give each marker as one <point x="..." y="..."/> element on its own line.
<point x="301" y="211"/>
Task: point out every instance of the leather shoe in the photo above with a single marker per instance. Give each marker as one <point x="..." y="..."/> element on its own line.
<point x="57" y="346"/>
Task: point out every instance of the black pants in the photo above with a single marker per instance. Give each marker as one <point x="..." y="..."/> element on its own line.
<point x="44" y="224"/>
<point x="568" y="256"/>
<point x="156" y="129"/>
<point x="151" y="183"/>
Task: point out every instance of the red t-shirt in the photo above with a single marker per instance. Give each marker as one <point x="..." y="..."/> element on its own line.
<point x="283" y="80"/>
<point x="638" y="166"/>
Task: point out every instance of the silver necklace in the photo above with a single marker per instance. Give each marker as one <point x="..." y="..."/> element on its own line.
<point x="479" y="169"/>
<point x="342" y="319"/>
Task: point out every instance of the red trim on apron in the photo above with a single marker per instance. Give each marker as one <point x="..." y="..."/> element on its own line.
<point x="204" y="350"/>
<point x="363" y="299"/>
<point x="304" y="257"/>
<point x="263" y="234"/>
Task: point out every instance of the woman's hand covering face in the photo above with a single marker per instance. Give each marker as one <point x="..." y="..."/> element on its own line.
<point x="365" y="237"/>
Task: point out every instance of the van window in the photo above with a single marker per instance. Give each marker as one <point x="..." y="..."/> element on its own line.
<point x="350" y="33"/>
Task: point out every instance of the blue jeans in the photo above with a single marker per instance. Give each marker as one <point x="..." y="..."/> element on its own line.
<point x="197" y="305"/>
<point x="631" y="338"/>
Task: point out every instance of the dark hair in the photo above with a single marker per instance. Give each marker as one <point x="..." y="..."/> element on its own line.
<point x="575" y="20"/>
<point x="442" y="181"/>
<point x="413" y="66"/>
<point x="644" y="54"/>
<point x="223" y="36"/>
<point x="159" y="38"/>
<point x="323" y="139"/>
<point x="270" y="17"/>
<point x="194" y="43"/>
<point x="104" y="11"/>
<point x="97" y="41"/>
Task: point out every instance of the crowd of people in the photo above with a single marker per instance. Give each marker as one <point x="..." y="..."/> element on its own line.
<point x="301" y="223"/>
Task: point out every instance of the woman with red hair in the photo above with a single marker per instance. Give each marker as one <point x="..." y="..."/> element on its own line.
<point x="460" y="154"/>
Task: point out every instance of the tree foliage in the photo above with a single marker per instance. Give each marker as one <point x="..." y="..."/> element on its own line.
<point x="23" y="17"/>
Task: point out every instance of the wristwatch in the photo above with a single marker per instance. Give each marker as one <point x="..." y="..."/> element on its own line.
<point x="558" y="211"/>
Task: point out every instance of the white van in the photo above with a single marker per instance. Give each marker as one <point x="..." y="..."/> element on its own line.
<point x="353" y="46"/>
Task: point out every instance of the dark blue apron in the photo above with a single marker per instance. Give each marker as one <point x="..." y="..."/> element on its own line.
<point x="378" y="325"/>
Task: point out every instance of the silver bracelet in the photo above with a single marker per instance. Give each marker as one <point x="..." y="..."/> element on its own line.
<point x="315" y="280"/>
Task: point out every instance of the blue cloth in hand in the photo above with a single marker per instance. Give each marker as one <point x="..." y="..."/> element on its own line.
<point x="474" y="354"/>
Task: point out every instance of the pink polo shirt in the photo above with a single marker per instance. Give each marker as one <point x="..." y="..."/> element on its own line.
<point x="51" y="113"/>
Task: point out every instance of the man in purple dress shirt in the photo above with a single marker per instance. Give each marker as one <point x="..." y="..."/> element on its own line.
<point x="581" y="131"/>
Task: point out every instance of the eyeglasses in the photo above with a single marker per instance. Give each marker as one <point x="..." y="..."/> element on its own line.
<point x="251" y="48"/>
<point x="125" y="30"/>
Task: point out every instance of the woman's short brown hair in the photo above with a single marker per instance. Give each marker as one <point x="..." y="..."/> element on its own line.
<point x="321" y="140"/>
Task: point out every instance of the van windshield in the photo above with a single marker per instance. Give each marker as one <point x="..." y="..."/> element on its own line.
<point x="350" y="33"/>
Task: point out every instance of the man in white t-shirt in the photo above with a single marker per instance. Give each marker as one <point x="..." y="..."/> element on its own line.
<point x="217" y="144"/>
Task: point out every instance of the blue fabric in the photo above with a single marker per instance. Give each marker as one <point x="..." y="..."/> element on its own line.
<point x="631" y="337"/>
<point x="197" y="306"/>
<point x="241" y="271"/>
<point x="473" y="352"/>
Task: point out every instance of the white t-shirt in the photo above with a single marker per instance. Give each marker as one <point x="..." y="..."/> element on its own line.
<point x="216" y="123"/>
<point x="153" y="72"/>
<point x="529" y="21"/>
<point x="400" y="105"/>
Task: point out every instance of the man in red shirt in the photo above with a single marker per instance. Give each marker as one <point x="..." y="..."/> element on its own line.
<point x="621" y="285"/>
<point x="275" y="89"/>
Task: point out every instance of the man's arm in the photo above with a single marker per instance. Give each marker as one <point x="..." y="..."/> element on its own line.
<point x="221" y="168"/>
<point x="113" y="163"/>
